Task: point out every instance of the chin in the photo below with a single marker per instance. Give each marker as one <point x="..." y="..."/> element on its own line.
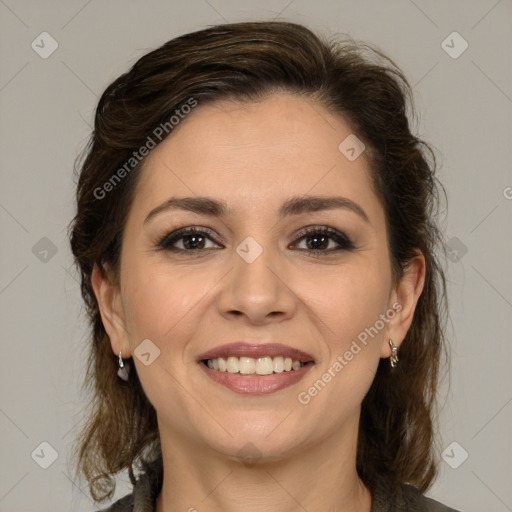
<point x="261" y="443"/>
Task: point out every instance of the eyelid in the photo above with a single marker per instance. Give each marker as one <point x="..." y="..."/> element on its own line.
<point x="344" y="242"/>
<point x="340" y="237"/>
<point x="178" y="234"/>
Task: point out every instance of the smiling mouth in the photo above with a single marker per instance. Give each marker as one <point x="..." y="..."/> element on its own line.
<point x="252" y="366"/>
<point x="255" y="368"/>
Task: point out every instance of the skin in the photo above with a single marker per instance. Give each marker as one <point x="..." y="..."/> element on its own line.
<point x="254" y="157"/>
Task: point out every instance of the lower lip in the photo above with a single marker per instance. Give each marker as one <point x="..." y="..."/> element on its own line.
<point x="256" y="385"/>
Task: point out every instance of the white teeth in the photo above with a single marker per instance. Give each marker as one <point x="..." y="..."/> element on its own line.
<point x="278" y="364"/>
<point x="232" y="364"/>
<point x="246" y="365"/>
<point x="295" y="365"/>
<point x="264" y="366"/>
<point x="251" y="366"/>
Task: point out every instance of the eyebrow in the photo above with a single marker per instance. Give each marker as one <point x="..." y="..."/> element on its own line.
<point x="293" y="206"/>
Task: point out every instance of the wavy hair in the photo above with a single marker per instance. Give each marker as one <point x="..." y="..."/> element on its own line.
<point x="246" y="62"/>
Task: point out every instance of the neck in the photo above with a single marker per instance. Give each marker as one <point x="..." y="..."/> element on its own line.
<point x="322" y="477"/>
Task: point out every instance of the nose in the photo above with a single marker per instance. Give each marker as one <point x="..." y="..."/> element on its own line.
<point x="261" y="290"/>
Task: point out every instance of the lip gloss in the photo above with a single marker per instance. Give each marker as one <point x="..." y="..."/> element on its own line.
<point x="256" y="384"/>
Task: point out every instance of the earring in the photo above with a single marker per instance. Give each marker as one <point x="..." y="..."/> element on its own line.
<point x="393" y="360"/>
<point x="123" y="371"/>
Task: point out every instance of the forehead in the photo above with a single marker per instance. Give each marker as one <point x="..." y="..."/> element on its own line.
<point x="253" y="154"/>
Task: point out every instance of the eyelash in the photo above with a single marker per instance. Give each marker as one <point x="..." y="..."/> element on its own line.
<point x="166" y="242"/>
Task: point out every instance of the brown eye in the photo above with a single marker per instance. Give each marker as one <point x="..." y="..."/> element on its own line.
<point x="319" y="239"/>
<point x="191" y="239"/>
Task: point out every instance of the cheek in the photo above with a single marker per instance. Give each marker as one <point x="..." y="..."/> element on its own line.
<point x="147" y="308"/>
<point x="352" y="300"/>
<point x="358" y="301"/>
<point x="161" y="304"/>
<point x="349" y="307"/>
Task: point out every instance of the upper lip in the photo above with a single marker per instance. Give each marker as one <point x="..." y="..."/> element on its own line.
<point x="255" y="350"/>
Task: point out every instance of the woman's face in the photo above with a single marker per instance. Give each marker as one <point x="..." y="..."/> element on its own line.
<point x="251" y="276"/>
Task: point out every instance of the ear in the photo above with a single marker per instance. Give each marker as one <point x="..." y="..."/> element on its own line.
<point x="112" y="315"/>
<point x="405" y="298"/>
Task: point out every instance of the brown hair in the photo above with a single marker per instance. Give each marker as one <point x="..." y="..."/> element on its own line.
<point x="247" y="61"/>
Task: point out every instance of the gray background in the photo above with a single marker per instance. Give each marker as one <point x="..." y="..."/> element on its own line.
<point x="465" y="105"/>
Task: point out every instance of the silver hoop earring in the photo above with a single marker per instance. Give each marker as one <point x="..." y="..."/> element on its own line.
<point x="122" y="372"/>
<point x="393" y="360"/>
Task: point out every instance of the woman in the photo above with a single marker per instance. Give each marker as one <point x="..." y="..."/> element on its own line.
<point x="256" y="237"/>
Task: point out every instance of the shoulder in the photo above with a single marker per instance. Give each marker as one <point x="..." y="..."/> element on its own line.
<point x="405" y="498"/>
<point x="125" y="504"/>
<point x="421" y="503"/>
<point x="145" y="491"/>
